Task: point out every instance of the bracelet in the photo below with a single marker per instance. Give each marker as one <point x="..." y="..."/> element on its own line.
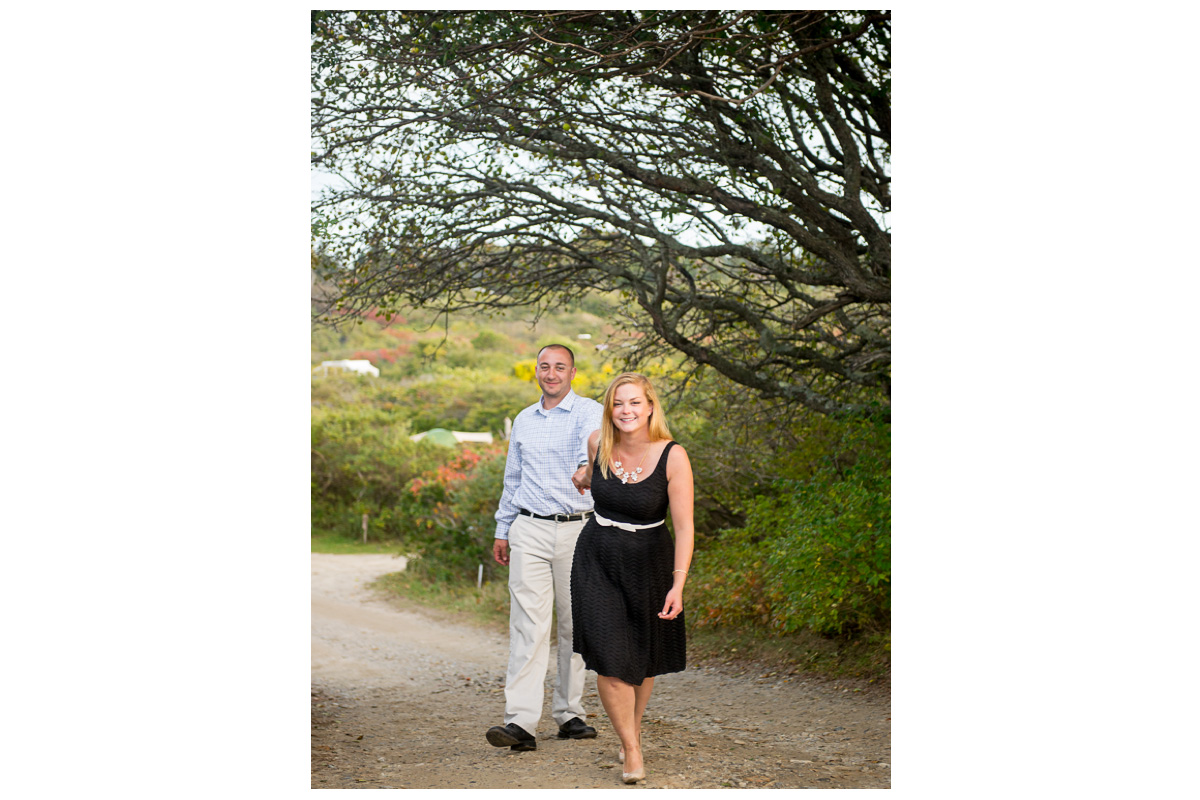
<point x="684" y="571"/>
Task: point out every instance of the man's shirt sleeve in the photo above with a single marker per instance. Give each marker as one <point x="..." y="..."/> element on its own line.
<point x="507" y="512"/>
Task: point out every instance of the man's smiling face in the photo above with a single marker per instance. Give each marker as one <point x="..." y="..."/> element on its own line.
<point x="555" y="371"/>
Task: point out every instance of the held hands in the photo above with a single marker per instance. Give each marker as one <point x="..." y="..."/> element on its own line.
<point x="500" y="551"/>
<point x="581" y="480"/>
<point x="673" y="605"/>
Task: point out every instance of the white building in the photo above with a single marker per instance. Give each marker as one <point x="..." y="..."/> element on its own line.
<point x="361" y="366"/>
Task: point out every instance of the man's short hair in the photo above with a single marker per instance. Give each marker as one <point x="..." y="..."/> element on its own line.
<point x="570" y="352"/>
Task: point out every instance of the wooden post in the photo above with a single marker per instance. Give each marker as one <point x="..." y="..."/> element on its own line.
<point x="365" y="528"/>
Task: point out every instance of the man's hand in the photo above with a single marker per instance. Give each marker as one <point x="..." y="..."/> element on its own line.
<point x="580" y="479"/>
<point x="500" y="551"/>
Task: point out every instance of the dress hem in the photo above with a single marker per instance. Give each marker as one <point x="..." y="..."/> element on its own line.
<point x="626" y="678"/>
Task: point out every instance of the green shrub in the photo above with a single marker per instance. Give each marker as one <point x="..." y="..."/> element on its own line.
<point x="488" y="340"/>
<point x="815" y="551"/>
<point x="465" y="400"/>
<point x="362" y="459"/>
<point x="447" y="516"/>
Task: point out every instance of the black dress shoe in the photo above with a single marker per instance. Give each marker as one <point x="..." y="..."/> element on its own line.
<point x="512" y="736"/>
<point x="575" y="728"/>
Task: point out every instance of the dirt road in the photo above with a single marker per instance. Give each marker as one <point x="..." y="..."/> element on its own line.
<point x="402" y="698"/>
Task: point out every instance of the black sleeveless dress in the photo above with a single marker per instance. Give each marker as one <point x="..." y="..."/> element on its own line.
<point x="620" y="580"/>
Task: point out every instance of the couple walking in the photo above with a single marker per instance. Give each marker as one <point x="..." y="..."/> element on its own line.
<point x="612" y="574"/>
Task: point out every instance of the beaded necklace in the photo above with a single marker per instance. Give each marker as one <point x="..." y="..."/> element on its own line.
<point x="631" y="477"/>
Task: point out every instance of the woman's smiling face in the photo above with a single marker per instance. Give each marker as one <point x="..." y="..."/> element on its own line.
<point x="631" y="410"/>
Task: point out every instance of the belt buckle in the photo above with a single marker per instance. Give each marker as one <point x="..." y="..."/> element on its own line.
<point x="562" y="517"/>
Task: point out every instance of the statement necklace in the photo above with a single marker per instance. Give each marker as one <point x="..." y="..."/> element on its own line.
<point x="627" y="477"/>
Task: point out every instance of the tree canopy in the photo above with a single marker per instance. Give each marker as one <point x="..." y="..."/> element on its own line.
<point x="728" y="171"/>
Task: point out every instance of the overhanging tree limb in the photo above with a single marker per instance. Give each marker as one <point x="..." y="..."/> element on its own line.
<point x="728" y="170"/>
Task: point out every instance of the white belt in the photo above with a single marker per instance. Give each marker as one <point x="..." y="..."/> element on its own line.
<point x="625" y="526"/>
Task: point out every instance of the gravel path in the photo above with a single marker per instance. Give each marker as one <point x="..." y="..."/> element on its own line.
<point x="402" y="697"/>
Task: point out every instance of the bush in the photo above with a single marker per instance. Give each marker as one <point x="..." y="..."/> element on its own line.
<point x="815" y="551"/>
<point x="447" y="516"/>
<point x="488" y="340"/>
<point x="361" y="462"/>
<point x="465" y="400"/>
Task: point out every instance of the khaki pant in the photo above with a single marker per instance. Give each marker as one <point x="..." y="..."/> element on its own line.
<point x="539" y="582"/>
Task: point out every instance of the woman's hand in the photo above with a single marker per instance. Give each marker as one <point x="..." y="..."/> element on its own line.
<point x="582" y="479"/>
<point x="673" y="605"/>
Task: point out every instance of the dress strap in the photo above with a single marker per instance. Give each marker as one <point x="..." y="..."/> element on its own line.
<point x="662" y="459"/>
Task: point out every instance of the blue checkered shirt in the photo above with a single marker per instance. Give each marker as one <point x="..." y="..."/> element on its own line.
<point x="544" y="450"/>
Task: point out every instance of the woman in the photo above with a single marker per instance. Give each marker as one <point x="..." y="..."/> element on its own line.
<point x="627" y="577"/>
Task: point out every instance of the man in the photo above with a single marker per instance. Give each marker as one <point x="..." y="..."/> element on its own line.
<point x="540" y="516"/>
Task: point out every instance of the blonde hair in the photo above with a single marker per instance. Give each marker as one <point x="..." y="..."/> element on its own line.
<point x="610" y="437"/>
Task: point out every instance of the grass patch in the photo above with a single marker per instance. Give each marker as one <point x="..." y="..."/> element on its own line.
<point x="487" y="607"/>
<point x="333" y="543"/>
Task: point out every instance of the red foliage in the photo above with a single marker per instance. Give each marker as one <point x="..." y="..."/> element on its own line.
<point x="457" y="470"/>
<point x="382" y="354"/>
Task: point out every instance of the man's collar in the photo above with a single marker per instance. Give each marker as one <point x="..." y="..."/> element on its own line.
<point x="565" y="404"/>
